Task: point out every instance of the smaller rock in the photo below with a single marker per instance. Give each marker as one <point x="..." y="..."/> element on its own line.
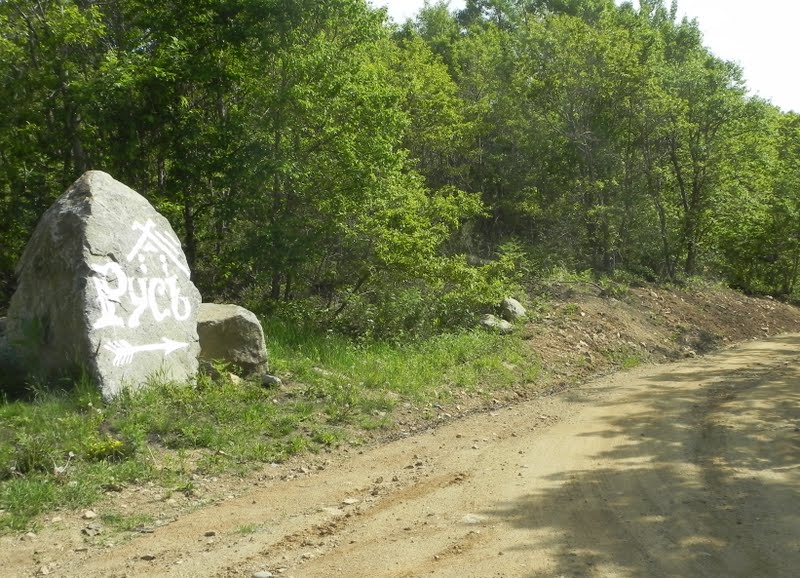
<point x="271" y="381"/>
<point x="210" y="534"/>
<point x="232" y="334"/>
<point x="493" y="323"/>
<point x="89" y="515"/>
<point x="512" y="310"/>
<point x="147" y="557"/>
<point x="263" y="574"/>
<point x="92" y="530"/>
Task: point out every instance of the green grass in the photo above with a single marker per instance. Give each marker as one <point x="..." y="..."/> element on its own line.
<point x="65" y="447"/>
<point x="625" y="357"/>
<point x="631" y="361"/>
<point x="248" y="529"/>
<point x="335" y="367"/>
<point x="126" y="522"/>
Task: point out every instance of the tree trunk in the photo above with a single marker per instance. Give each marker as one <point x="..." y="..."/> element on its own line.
<point x="190" y="238"/>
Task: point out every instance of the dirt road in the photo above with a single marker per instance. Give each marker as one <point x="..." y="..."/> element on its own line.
<point x="689" y="469"/>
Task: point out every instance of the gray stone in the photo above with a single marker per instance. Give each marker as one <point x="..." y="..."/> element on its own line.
<point x="103" y="284"/>
<point x="496" y="324"/>
<point x="271" y="381"/>
<point x="232" y="334"/>
<point x="512" y="310"/>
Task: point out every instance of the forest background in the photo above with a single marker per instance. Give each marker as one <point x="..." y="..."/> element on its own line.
<point x="323" y="164"/>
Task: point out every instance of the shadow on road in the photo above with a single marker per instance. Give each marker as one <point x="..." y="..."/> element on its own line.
<point x="702" y="478"/>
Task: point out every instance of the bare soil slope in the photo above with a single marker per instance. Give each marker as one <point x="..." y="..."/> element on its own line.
<point x="684" y="469"/>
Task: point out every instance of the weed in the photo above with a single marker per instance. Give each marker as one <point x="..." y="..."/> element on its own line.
<point x="625" y="358"/>
<point x="562" y="274"/>
<point x="22" y="498"/>
<point x="631" y="361"/>
<point x="247" y="529"/>
<point x="614" y="287"/>
<point x="126" y="522"/>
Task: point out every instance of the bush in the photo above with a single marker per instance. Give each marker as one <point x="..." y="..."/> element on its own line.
<point x="449" y="295"/>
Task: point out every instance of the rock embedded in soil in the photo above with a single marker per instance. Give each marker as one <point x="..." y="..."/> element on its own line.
<point x="271" y="381"/>
<point x="494" y="323"/>
<point x="512" y="310"/>
<point x="104" y="286"/>
<point x="232" y="334"/>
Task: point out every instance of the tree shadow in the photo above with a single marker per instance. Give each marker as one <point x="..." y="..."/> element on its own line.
<point x="702" y="479"/>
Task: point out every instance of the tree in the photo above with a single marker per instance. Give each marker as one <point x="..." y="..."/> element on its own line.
<point x="48" y="55"/>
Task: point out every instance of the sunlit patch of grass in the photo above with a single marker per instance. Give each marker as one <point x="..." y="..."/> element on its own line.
<point x="64" y="447"/>
<point x="356" y="375"/>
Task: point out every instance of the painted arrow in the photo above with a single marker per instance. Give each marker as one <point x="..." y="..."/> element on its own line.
<point x="124" y="351"/>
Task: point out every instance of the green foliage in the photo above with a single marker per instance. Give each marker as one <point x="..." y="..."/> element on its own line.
<point x="309" y="153"/>
<point x="336" y="369"/>
<point x="64" y="448"/>
<point x="449" y="293"/>
<point x="57" y="450"/>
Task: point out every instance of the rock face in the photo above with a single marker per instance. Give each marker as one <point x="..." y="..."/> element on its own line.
<point x="104" y="284"/>
<point x="2" y="338"/>
<point x="493" y="323"/>
<point x="233" y="334"/>
<point x="512" y="310"/>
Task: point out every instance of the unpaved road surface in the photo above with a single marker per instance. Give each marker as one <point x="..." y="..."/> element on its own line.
<point x="689" y="469"/>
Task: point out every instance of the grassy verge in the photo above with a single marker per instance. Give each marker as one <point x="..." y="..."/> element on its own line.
<point x="65" y="448"/>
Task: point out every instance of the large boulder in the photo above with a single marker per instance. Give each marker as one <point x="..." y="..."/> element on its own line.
<point x="232" y="334"/>
<point x="103" y="284"/>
